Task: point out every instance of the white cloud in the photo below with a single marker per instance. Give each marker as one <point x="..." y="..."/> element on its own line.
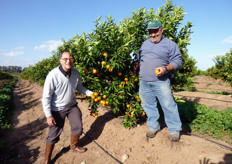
<point x="206" y="61"/>
<point x="49" y="45"/>
<point x="15" y="52"/>
<point x="228" y="40"/>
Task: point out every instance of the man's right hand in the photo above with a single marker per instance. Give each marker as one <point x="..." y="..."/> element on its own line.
<point x="51" y="121"/>
<point x="135" y="67"/>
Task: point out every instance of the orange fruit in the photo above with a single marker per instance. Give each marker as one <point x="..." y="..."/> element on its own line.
<point x="101" y="102"/>
<point x="120" y="86"/>
<point x="126" y="79"/>
<point x="108" y="66"/>
<point x="119" y="73"/>
<point x="95" y="94"/>
<point x="96" y="100"/>
<point x="98" y="75"/>
<point x="104" y="96"/>
<point x="143" y="114"/>
<point x="105" y="54"/>
<point x="94" y="71"/>
<point x="99" y="98"/>
<point x="157" y="71"/>
<point x="128" y="105"/>
<point x="85" y="70"/>
<point x="92" y="96"/>
<point x="104" y="102"/>
<point x="103" y="63"/>
<point x="110" y="70"/>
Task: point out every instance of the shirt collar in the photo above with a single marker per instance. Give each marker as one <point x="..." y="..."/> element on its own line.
<point x="65" y="73"/>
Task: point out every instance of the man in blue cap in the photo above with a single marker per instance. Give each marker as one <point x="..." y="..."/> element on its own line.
<point x="162" y="54"/>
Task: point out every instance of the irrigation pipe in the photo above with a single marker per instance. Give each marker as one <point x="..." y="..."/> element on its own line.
<point x="103" y="149"/>
<point x="191" y="134"/>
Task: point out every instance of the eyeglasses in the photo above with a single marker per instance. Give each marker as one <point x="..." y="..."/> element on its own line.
<point x="70" y="59"/>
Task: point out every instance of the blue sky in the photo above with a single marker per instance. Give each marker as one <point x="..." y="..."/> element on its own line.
<point x="30" y="29"/>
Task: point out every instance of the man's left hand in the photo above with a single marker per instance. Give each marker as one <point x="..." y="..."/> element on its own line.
<point x="162" y="71"/>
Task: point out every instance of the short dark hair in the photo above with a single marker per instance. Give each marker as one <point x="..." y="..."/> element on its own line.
<point x="64" y="52"/>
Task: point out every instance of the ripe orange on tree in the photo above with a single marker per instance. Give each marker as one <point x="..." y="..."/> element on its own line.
<point x="119" y="73"/>
<point x="107" y="102"/>
<point x="108" y="66"/>
<point x="110" y="70"/>
<point x="95" y="94"/>
<point x="128" y="105"/>
<point x="104" y="96"/>
<point x="105" y="54"/>
<point x="94" y="71"/>
<point x="103" y="63"/>
<point x="92" y="96"/>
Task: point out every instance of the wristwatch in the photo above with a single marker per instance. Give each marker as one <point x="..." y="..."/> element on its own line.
<point x="166" y="69"/>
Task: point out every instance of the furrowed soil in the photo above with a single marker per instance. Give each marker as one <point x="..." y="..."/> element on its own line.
<point x="108" y="142"/>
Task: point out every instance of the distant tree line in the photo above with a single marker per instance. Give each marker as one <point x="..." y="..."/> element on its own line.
<point x="12" y="69"/>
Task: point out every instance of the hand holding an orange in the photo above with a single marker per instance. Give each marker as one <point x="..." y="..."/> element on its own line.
<point x="157" y="71"/>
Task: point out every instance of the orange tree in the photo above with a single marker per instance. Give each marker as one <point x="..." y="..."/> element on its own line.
<point x="223" y="68"/>
<point x="105" y="58"/>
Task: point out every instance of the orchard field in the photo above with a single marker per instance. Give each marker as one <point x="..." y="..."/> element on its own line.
<point x="113" y="116"/>
<point x="129" y="146"/>
<point x="105" y="59"/>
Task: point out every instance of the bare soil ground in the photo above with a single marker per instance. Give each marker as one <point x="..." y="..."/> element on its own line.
<point x="26" y="142"/>
<point x="207" y="84"/>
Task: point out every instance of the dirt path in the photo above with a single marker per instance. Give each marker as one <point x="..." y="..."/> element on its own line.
<point x="207" y="84"/>
<point x="27" y="140"/>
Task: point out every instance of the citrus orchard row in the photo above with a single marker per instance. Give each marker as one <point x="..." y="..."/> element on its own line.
<point x="223" y="68"/>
